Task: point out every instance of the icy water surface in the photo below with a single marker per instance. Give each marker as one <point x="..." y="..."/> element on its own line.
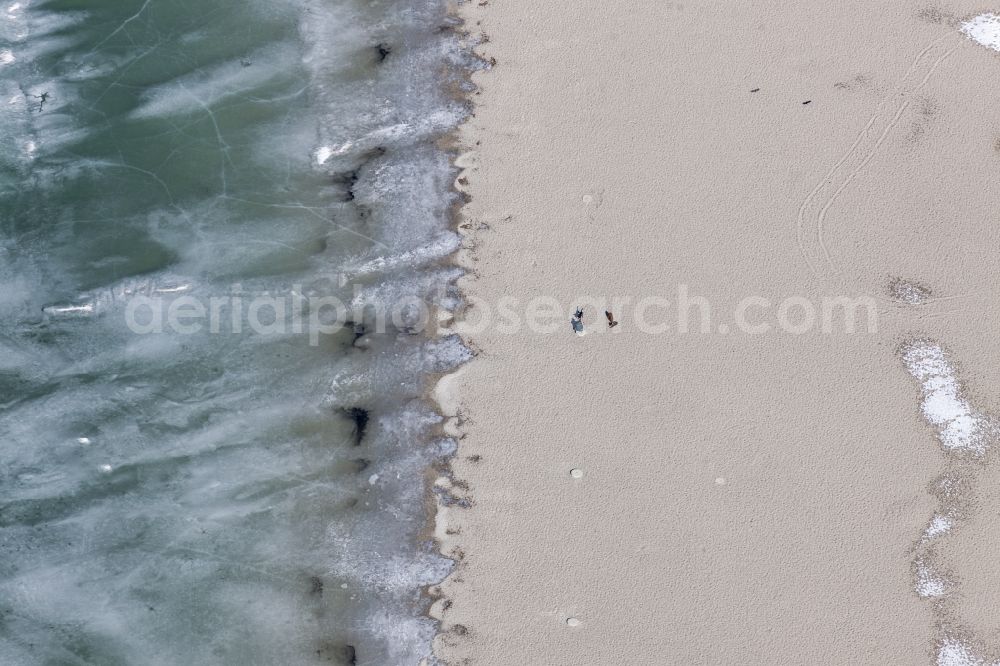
<point x="219" y="496"/>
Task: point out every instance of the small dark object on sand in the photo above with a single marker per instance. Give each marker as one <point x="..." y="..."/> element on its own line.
<point x="611" y="319"/>
<point x="383" y="52"/>
<point x="578" y="314"/>
<point x="755" y="90"/>
<point x="807" y="101"/>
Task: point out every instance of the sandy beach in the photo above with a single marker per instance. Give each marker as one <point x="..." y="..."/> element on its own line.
<point x="745" y="497"/>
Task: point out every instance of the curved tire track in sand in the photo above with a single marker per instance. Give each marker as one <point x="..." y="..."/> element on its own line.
<point x="809" y="223"/>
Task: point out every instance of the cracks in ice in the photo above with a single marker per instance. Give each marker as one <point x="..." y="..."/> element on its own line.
<point x="312" y="210"/>
<point x="122" y="71"/>
<point x="223" y="146"/>
<point x="121" y="27"/>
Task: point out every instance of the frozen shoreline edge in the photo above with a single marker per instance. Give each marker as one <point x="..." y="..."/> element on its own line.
<point x="442" y="489"/>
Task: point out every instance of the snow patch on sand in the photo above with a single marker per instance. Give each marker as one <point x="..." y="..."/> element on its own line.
<point x="953" y="653"/>
<point x="984" y="29"/>
<point x="939" y="526"/>
<point x="959" y="425"/>
<point x="929" y="584"/>
<point x="909" y="293"/>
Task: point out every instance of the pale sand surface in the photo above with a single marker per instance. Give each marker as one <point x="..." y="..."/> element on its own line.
<point x="621" y="154"/>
